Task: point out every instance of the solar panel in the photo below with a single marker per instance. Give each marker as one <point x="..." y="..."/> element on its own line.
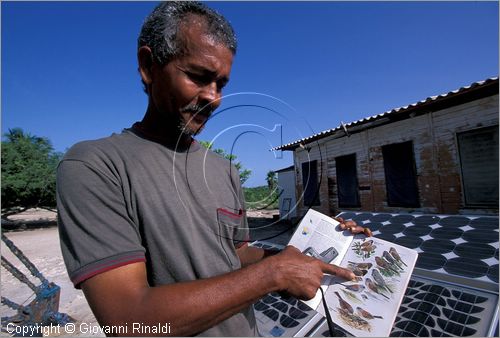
<point x="445" y="310"/>
<point x="462" y="245"/>
<point x="438" y="309"/>
<point x="278" y="315"/>
<point x="459" y="247"/>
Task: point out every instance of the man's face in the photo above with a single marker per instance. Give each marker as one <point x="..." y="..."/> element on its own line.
<point x="188" y="89"/>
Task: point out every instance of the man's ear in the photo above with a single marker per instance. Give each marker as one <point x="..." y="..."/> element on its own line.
<point x="145" y="60"/>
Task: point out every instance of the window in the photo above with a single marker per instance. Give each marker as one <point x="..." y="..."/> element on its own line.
<point x="310" y="183"/>
<point x="347" y="181"/>
<point x="400" y="175"/>
<point x="479" y="165"/>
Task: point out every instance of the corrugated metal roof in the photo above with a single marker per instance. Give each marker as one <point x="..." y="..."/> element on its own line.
<point x="428" y="100"/>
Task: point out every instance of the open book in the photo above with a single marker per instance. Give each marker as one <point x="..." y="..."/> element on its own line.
<point x="369" y="305"/>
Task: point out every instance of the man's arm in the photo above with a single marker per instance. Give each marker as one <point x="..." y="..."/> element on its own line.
<point x="122" y="296"/>
<point x="251" y="254"/>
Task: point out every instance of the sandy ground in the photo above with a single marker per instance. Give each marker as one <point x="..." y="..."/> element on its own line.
<point x="262" y="213"/>
<point x="41" y="246"/>
<point x="35" y="214"/>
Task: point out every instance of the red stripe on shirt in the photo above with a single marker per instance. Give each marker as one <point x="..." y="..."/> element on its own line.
<point x="81" y="278"/>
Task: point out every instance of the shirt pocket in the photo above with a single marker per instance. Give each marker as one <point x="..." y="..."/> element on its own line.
<point x="233" y="229"/>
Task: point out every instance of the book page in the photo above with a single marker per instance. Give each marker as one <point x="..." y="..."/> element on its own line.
<point x="368" y="307"/>
<point x="319" y="236"/>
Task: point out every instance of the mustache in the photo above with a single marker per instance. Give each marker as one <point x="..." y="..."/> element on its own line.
<point x="205" y="110"/>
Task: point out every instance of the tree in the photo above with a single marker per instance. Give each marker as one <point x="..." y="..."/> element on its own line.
<point x="28" y="172"/>
<point x="271" y="179"/>
<point x="244" y="173"/>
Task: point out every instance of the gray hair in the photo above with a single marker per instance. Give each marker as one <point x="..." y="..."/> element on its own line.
<point x="160" y="29"/>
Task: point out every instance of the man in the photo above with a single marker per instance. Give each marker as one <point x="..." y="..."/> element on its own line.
<point x="148" y="220"/>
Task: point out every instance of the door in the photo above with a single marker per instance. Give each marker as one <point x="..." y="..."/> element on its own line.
<point x="400" y="175"/>
<point x="347" y="181"/>
<point x="310" y="183"/>
<point x="479" y="164"/>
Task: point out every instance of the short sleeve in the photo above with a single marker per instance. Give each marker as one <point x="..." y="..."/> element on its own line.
<point x="95" y="230"/>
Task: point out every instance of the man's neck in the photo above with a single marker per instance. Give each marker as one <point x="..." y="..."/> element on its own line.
<point x="163" y="131"/>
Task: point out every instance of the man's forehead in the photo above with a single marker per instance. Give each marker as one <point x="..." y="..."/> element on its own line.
<point x="195" y="32"/>
<point x="192" y="26"/>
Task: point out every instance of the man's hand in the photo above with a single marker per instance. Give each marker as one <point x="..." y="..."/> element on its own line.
<point x="250" y="254"/>
<point x="301" y="275"/>
<point x="352" y="227"/>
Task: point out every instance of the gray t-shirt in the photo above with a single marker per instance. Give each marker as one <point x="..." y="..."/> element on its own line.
<point x="125" y="199"/>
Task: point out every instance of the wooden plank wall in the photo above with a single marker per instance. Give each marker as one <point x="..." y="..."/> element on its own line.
<point x="436" y="159"/>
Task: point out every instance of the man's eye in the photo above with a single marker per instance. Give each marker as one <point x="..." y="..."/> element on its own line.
<point x="204" y="80"/>
<point x="198" y="78"/>
<point x="221" y="84"/>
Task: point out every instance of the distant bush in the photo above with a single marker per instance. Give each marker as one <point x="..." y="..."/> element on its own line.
<point x="28" y="172"/>
<point x="261" y="198"/>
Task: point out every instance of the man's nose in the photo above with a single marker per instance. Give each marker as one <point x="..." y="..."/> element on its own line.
<point x="211" y="94"/>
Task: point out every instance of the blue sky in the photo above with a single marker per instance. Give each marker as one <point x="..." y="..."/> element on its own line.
<point x="69" y="69"/>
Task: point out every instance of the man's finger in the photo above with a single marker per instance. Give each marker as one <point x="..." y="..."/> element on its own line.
<point x="350" y="224"/>
<point x="357" y="229"/>
<point x="337" y="271"/>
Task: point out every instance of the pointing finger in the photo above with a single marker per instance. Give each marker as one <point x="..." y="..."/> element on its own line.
<point x="337" y="271"/>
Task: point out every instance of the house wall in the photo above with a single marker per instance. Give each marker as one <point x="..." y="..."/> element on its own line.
<point x="436" y="159"/>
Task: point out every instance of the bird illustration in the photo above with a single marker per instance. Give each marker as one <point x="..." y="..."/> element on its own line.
<point x="351" y="296"/>
<point x="395" y="254"/>
<point x="380" y="280"/>
<point x="355" y="287"/>
<point x="384" y="264"/>
<point x="362" y="266"/>
<point x="368" y="246"/>
<point x="391" y="260"/>
<point x="344" y="305"/>
<point x="365" y="314"/>
<point x="367" y="243"/>
<point x="371" y="286"/>
<point x="358" y="272"/>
